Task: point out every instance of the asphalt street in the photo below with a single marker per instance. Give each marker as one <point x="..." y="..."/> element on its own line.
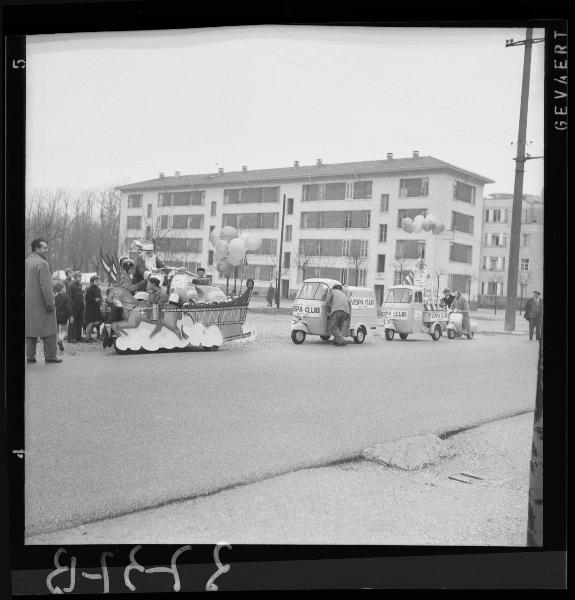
<point x="107" y="434"/>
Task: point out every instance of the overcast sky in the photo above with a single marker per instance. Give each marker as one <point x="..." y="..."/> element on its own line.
<point x="115" y="108"/>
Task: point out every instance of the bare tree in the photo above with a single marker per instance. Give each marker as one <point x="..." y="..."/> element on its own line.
<point x="302" y="261"/>
<point x="356" y="258"/>
<point x="524" y="278"/>
<point x="496" y="277"/>
<point x="400" y="266"/>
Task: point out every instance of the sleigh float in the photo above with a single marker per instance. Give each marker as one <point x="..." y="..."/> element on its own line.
<point x="197" y="315"/>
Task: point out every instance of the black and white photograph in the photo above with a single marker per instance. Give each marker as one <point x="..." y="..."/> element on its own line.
<point x="284" y="285"/>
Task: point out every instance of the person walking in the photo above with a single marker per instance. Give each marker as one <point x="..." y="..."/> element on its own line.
<point x="534" y="314"/>
<point x="64" y="312"/>
<point x="77" y="297"/>
<point x="40" y="306"/>
<point x="460" y="303"/>
<point x="93" y="298"/>
<point x="340" y="314"/>
<point x="270" y="294"/>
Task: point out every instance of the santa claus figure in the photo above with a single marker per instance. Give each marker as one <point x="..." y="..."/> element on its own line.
<point x="146" y="263"/>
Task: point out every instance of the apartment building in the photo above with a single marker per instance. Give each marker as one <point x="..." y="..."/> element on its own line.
<point x="341" y="221"/>
<point x="496" y="237"/>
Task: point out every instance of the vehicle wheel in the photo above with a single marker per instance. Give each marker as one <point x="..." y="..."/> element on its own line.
<point x="450" y="334"/>
<point x="298" y="336"/>
<point x="360" y="336"/>
<point x="325" y="337"/>
<point x="436" y="333"/>
<point x="389" y="333"/>
<point x="403" y="336"/>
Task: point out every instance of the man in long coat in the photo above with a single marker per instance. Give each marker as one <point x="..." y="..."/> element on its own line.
<point x="534" y="314"/>
<point x="40" y="306"/>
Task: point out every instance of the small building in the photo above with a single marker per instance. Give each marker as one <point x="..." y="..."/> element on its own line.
<point x="495" y="240"/>
<point x="342" y="221"/>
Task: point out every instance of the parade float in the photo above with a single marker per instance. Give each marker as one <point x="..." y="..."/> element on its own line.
<point x="193" y="313"/>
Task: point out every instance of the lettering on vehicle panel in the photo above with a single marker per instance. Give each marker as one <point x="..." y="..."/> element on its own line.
<point x="395" y="314"/>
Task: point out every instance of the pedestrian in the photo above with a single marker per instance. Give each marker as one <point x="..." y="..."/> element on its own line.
<point x="534" y="314"/>
<point x="340" y="314"/>
<point x="270" y="294"/>
<point x="93" y="298"/>
<point x="77" y="297"/>
<point x="460" y="303"/>
<point x="64" y="312"/>
<point x="68" y="273"/>
<point x="40" y="306"/>
<point x="447" y="299"/>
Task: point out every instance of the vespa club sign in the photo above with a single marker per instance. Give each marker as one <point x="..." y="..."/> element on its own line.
<point x="395" y="314"/>
<point x="362" y="302"/>
<point x="303" y="309"/>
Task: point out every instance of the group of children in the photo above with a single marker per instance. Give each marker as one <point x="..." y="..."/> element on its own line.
<point x="77" y="310"/>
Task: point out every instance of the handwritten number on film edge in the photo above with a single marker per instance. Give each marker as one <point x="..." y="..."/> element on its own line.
<point x="134" y="565"/>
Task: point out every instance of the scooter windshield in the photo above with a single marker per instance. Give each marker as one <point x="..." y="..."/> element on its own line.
<point x="399" y="296"/>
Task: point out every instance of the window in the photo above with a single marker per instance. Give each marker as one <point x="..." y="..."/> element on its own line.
<point x="464" y="192"/>
<point x="198" y="198"/>
<point x="210" y="257"/>
<point x="409" y="188"/>
<point x="134" y="223"/>
<point x="179" y="244"/>
<point x="524" y="264"/>
<point x="251" y="195"/>
<point x="290" y="206"/>
<point x="163" y="222"/>
<point x="313" y="291"/>
<point x="213" y="208"/>
<point x="362" y="189"/>
<point x="495" y="239"/>
<point x="335" y="191"/>
<point x="288" y="233"/>
<point x="149" y="213"/>
<point x="492" y="288"/>
<point x="267" y="246"/>
<point x="365" y="219"/>
<point x="382" y="233"/>
<point x="409" y="212"/>
<point x="148" y="232"/>
<point x="188" y="222"/>
<point x="381" y="263"/>
<point x="347" y="220"/>
<point x="459" y="282"/>
<point x="287" y="260"/>
<point x="525" y="239"/>
<point x="135" y="201"/>
<point x="181" y="199"/>
<point x="384" y="203"/>
<point x="312" y="192"/>
<point x="496" y="215"/>
<point x="409" y="249"/>
<point x="399" y="295"/>
<point x="460" y="253"/>
<point x="461" y="222"/>
<point x="251" y="220"/>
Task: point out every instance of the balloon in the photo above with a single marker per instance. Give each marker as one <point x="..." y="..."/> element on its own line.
<point x="237" y="248"/>
<point x="221" y="249"/>
<point x="407" y="224"/>
<point x="228" y="233"/>
<point x="252" y="243"/>
<point x="215" y="236"/>
<point x="244" y="236"/>
<point x="225" y="267"/>
<point x="432" y="219"/>
<point x="235" y="259"/>
<point x="426" y="224"/>
<point x="417" y="223"/>
<point x="437" y="228"/>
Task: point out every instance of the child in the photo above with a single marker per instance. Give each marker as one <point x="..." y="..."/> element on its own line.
<point x="93" y="298"/>
<point x="64" y="312"/>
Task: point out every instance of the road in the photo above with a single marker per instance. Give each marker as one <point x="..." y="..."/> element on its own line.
<point x="107" y="434"/>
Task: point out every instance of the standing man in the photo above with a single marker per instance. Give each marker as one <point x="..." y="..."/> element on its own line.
<point x="340" y="314"/>
<point x="40" y="306"/>
<point x="76" y="294"/>
<point x="534" y="314"/>
<point x="462" y="306"/>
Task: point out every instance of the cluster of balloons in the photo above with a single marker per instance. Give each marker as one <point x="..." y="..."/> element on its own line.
<point x="230" y="248"/>
<point x="421" y="223"/>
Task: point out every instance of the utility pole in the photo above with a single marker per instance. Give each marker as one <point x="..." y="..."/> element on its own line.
<point x="520" y="159"/>
<point x="281" y="252"/>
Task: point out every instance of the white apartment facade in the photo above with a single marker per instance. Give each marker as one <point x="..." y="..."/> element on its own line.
<point x="495" y="248"/>
<point x="341" y="221"/>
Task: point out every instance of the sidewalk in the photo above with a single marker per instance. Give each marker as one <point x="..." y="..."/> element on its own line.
<point x="477" y="494"/>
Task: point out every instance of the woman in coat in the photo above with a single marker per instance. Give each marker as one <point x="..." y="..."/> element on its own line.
<point x="93" y="297"/>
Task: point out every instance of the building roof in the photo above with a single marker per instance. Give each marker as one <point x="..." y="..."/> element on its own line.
<point x="305" y="172"/>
